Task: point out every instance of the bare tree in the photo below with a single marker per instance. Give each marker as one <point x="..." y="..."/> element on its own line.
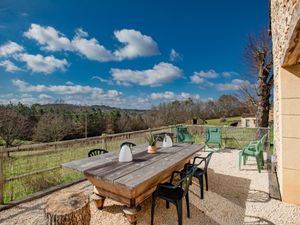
<point x="258" y="54"/>
<point x="52" y="127"/>
<point x="248" y="95"/>
<point x="12" y="125"/>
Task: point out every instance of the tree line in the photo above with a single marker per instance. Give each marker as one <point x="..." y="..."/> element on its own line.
<point x="63" y="122"/>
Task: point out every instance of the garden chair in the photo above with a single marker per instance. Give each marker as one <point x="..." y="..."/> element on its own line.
<point x="174" y="193"/>
<point x="200" y="172"/>
<point x="183" y="135"/>
<point x="213" y="137"/>
<point x="129" y="144"/>
<point x="97" y="151"/>
<point x="254" y="149"/>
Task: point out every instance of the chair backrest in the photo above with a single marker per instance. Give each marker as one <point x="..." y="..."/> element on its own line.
<point x="186" y="180"/>
<point x="213" y="135"/>
<point x="261" y="143"/>
<point x="207" y="160"/>
<point x="97" y="151"/>
<point x="129" y="144"/>
<point x="182" y="134"/>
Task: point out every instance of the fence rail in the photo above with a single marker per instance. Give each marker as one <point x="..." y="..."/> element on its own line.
<point x="29" y="169"/>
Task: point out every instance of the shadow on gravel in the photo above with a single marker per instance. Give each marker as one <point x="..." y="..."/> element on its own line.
<point x="254" y="220"/>
<point x="234" y="189"/>
<point x="258" y="196"/>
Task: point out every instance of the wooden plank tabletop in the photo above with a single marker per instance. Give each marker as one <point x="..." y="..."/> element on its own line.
<point x="144" y="166"/>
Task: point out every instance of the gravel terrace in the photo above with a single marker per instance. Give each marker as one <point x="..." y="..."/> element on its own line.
<point x="235" y="197"/>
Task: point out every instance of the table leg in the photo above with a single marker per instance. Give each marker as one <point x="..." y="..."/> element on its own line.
<point x="98" y="200"/>
<point x="131" y="214"/>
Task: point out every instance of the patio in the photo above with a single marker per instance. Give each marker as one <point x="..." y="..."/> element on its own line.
<point x="234" y="197"/>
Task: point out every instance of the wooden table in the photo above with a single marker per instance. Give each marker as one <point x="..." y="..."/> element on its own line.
<point x="132" y="182"/>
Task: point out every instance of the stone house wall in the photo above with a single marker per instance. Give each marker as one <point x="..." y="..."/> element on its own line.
<point x="285" y="27"/>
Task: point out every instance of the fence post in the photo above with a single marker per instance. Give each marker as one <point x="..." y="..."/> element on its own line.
<point x="85" y="127"/>
<point x="104" y="142"/>
<point x="1" y="178"/>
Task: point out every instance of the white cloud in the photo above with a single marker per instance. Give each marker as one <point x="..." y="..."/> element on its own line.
<point x="171" y="96"/>
<point x="200" y="77"/>
<point x="9" y="66"/>
<point x="79" y="32"/>
<point x="69" y="83"/>
<point x="229" y="74"/>
<point x="163" y="95"/>
<point x="43" y="64"/>
<point x="110" y="82"/>
<point x="14" y="99"/>
<point x="113" y="93"/>
<point x="44" y="96"/>
<point x="58" y="89"/>
<point x="174" y="56"/>
<point x="160" y="73"/>
<point x="10" y="49"/>
<point x="203" y="77"/>
<point x="197" y="79"/>
<point x="234" y="85"/>
<point x="48" y="37"/>
<point x="206" y="74"/>
<point x="65" y="89"/>
<point x="136" y="44"/>
<point x="91" y="49"/>
<point x="27" y="99"/>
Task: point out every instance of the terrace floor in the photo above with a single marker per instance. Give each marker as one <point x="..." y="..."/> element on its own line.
<point x="235" y="197"/>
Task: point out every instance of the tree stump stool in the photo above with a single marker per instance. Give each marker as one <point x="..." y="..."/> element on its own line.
<point x="69" y="208"/>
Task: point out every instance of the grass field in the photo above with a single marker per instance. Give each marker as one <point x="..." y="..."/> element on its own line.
<point x="228" y="121"/>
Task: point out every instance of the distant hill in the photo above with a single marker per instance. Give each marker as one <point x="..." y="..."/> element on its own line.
<point x="79" y="108"/>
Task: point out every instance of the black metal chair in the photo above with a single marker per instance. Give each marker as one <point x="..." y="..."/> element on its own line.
<point x="129" y="144"/>
<point x="200" y="172"/>
<point x="174" y="193"/>
<point x="97" y="151"/>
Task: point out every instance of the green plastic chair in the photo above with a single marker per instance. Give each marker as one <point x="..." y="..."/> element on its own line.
<point x="213" y="137"/>
<point x="254" y="149"/>
<point x="183" y="135"/>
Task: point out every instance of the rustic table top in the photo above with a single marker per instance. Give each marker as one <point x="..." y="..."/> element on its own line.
<point x="144" y="166"/>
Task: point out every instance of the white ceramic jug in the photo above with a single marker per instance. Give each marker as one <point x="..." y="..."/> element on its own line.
<point x="125" y="154"/>
<point x="167" y="142"/>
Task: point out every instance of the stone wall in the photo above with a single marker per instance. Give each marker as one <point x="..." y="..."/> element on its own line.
<point x="285" y="16"/>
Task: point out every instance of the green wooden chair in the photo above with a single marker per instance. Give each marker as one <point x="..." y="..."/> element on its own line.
<point x="254" y="149"/>
<point x="213" y="137"/>
<point x="183" y="135"/>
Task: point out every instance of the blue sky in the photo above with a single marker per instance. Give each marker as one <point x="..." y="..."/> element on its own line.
<point x="128" y="54"/>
